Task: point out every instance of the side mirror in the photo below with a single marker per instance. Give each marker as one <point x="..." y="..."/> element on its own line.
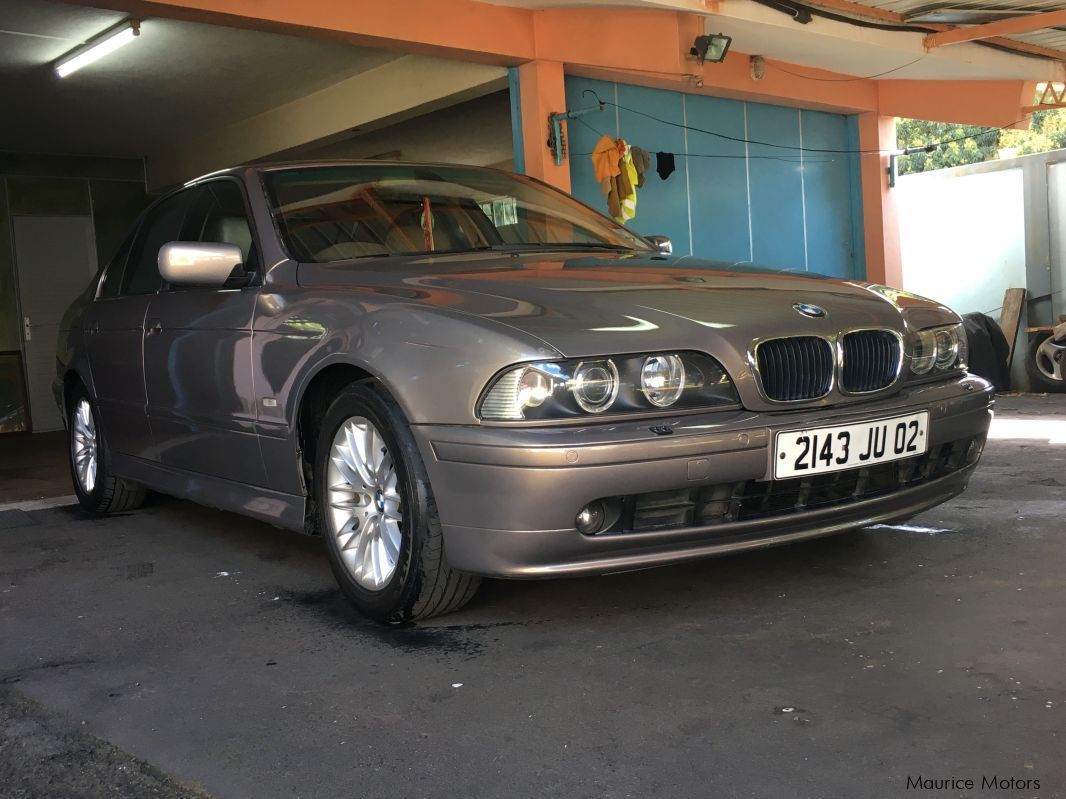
<point x="662" y="244"/>
<point x="194" y="263"/>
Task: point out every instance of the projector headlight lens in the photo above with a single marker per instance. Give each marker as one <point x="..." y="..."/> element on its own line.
<point x="595" y="385"/>
<point x="947" y="347"/>
<point x="662" y="379"/>
<point x="924" y="352"/>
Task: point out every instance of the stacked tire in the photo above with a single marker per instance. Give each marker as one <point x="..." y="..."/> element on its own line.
<point x="1045" y="362"/>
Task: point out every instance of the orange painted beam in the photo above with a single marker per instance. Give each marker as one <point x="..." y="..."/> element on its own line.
<point x="732" y="79"/>
<point x="1002" y="27"/>
<point x="995" y="103"/>
<point x="1031" y="49"/>
<point x="613" y="38"/>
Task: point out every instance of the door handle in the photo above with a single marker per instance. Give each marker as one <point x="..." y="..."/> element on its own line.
<point x="152" y="327"/>
<point x="93" y="328"/>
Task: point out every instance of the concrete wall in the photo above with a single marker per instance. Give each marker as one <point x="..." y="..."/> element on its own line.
<point x="474" y="132"/>
<point x="969" y="233"/>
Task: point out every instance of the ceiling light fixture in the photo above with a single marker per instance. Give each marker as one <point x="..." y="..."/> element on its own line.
<point x="97" y="48"/>
<point x="711" y="48"/>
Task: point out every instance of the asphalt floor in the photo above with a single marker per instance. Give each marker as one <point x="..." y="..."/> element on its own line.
<point x="179" y="651"/>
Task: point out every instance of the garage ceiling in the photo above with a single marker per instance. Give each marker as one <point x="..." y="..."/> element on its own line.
<point x="178" y="79"/>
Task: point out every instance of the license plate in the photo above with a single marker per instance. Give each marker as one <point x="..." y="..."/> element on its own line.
<point x="849" y="446"/>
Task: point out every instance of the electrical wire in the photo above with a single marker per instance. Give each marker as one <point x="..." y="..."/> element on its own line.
<point x="796" y="148"/>
<point x="845" y="80"/>
<point x="785" y="159"/>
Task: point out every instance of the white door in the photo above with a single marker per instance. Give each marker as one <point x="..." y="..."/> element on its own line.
<point x="56" y="258"/>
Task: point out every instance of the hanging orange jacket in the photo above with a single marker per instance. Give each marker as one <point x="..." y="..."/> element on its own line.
<point x="605" y="160"/>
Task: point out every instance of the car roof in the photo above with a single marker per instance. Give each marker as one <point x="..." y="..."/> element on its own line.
<point x="274" y="166"/>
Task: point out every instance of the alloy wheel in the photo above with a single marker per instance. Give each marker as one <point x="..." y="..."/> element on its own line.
<point x="365" y="507"/>
<point x="83" y="445"/>
<point x="1050" y="359"/>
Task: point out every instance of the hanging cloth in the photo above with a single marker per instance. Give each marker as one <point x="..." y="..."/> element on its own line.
<point x="605" y="162"/>
<point x="619" y="185"/>
<point x="664" y="164"/>
<point x="642" y="161"/>
<point x="629" y="199"/>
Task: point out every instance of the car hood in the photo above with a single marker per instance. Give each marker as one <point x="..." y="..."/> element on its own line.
<point x="598" y="304"/>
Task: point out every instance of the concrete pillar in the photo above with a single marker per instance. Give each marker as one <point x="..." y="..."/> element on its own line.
<point x="541" y="92"/>
<point x="880" y="220"/>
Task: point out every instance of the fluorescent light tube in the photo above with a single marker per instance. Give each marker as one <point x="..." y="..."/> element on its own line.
<point x="95" y="50"/>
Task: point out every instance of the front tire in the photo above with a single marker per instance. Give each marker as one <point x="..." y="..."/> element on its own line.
<point x="98" y="489"/>
<point x="377" y="515"/>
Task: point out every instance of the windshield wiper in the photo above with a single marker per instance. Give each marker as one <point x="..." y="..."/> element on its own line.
<point x="561" y="245"/>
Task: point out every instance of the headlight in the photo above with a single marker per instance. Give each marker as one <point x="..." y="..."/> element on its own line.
<point x="662" y="379"/>
<point x="940" y="348"/>
<point x="628" y="383"/>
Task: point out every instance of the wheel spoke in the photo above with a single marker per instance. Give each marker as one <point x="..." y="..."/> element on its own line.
<point x="349" y="453"/>
<point x="392" y="509"/>
<point x="362" y="542"/>
<point x="347" y="474"/>
<point x="390" y="539"/>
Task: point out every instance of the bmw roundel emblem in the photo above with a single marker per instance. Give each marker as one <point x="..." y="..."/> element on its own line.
<point x="813" y="311"/>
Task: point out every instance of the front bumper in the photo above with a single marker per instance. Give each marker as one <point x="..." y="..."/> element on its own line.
<point x="507" y="496"/>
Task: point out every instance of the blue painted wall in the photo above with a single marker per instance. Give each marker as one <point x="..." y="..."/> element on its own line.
<point x="743" y="195"/>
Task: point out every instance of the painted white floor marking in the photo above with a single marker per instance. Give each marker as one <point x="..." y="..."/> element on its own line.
<point x="40" y="504"/>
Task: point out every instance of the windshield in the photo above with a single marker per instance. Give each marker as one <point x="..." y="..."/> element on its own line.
<point x="333" y="213"/>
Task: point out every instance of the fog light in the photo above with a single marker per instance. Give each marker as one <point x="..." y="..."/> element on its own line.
<point x="973" y="452"/>
<point x="590" y="520"/>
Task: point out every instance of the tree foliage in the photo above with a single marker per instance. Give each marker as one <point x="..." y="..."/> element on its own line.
<point x="970" y="144"/>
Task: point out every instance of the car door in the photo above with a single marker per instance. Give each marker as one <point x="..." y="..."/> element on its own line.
<point x="114" y="328"/>
<point x="197" y="351"/>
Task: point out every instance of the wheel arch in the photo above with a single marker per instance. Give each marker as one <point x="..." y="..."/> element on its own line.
<point x="314" y="398"/>
<point x="72" y="380"/>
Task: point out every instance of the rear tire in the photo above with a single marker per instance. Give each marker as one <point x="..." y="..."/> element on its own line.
<point x="377" y="515"/>
<point x="98" y="489"/>
<point x="1045" y="359"/>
